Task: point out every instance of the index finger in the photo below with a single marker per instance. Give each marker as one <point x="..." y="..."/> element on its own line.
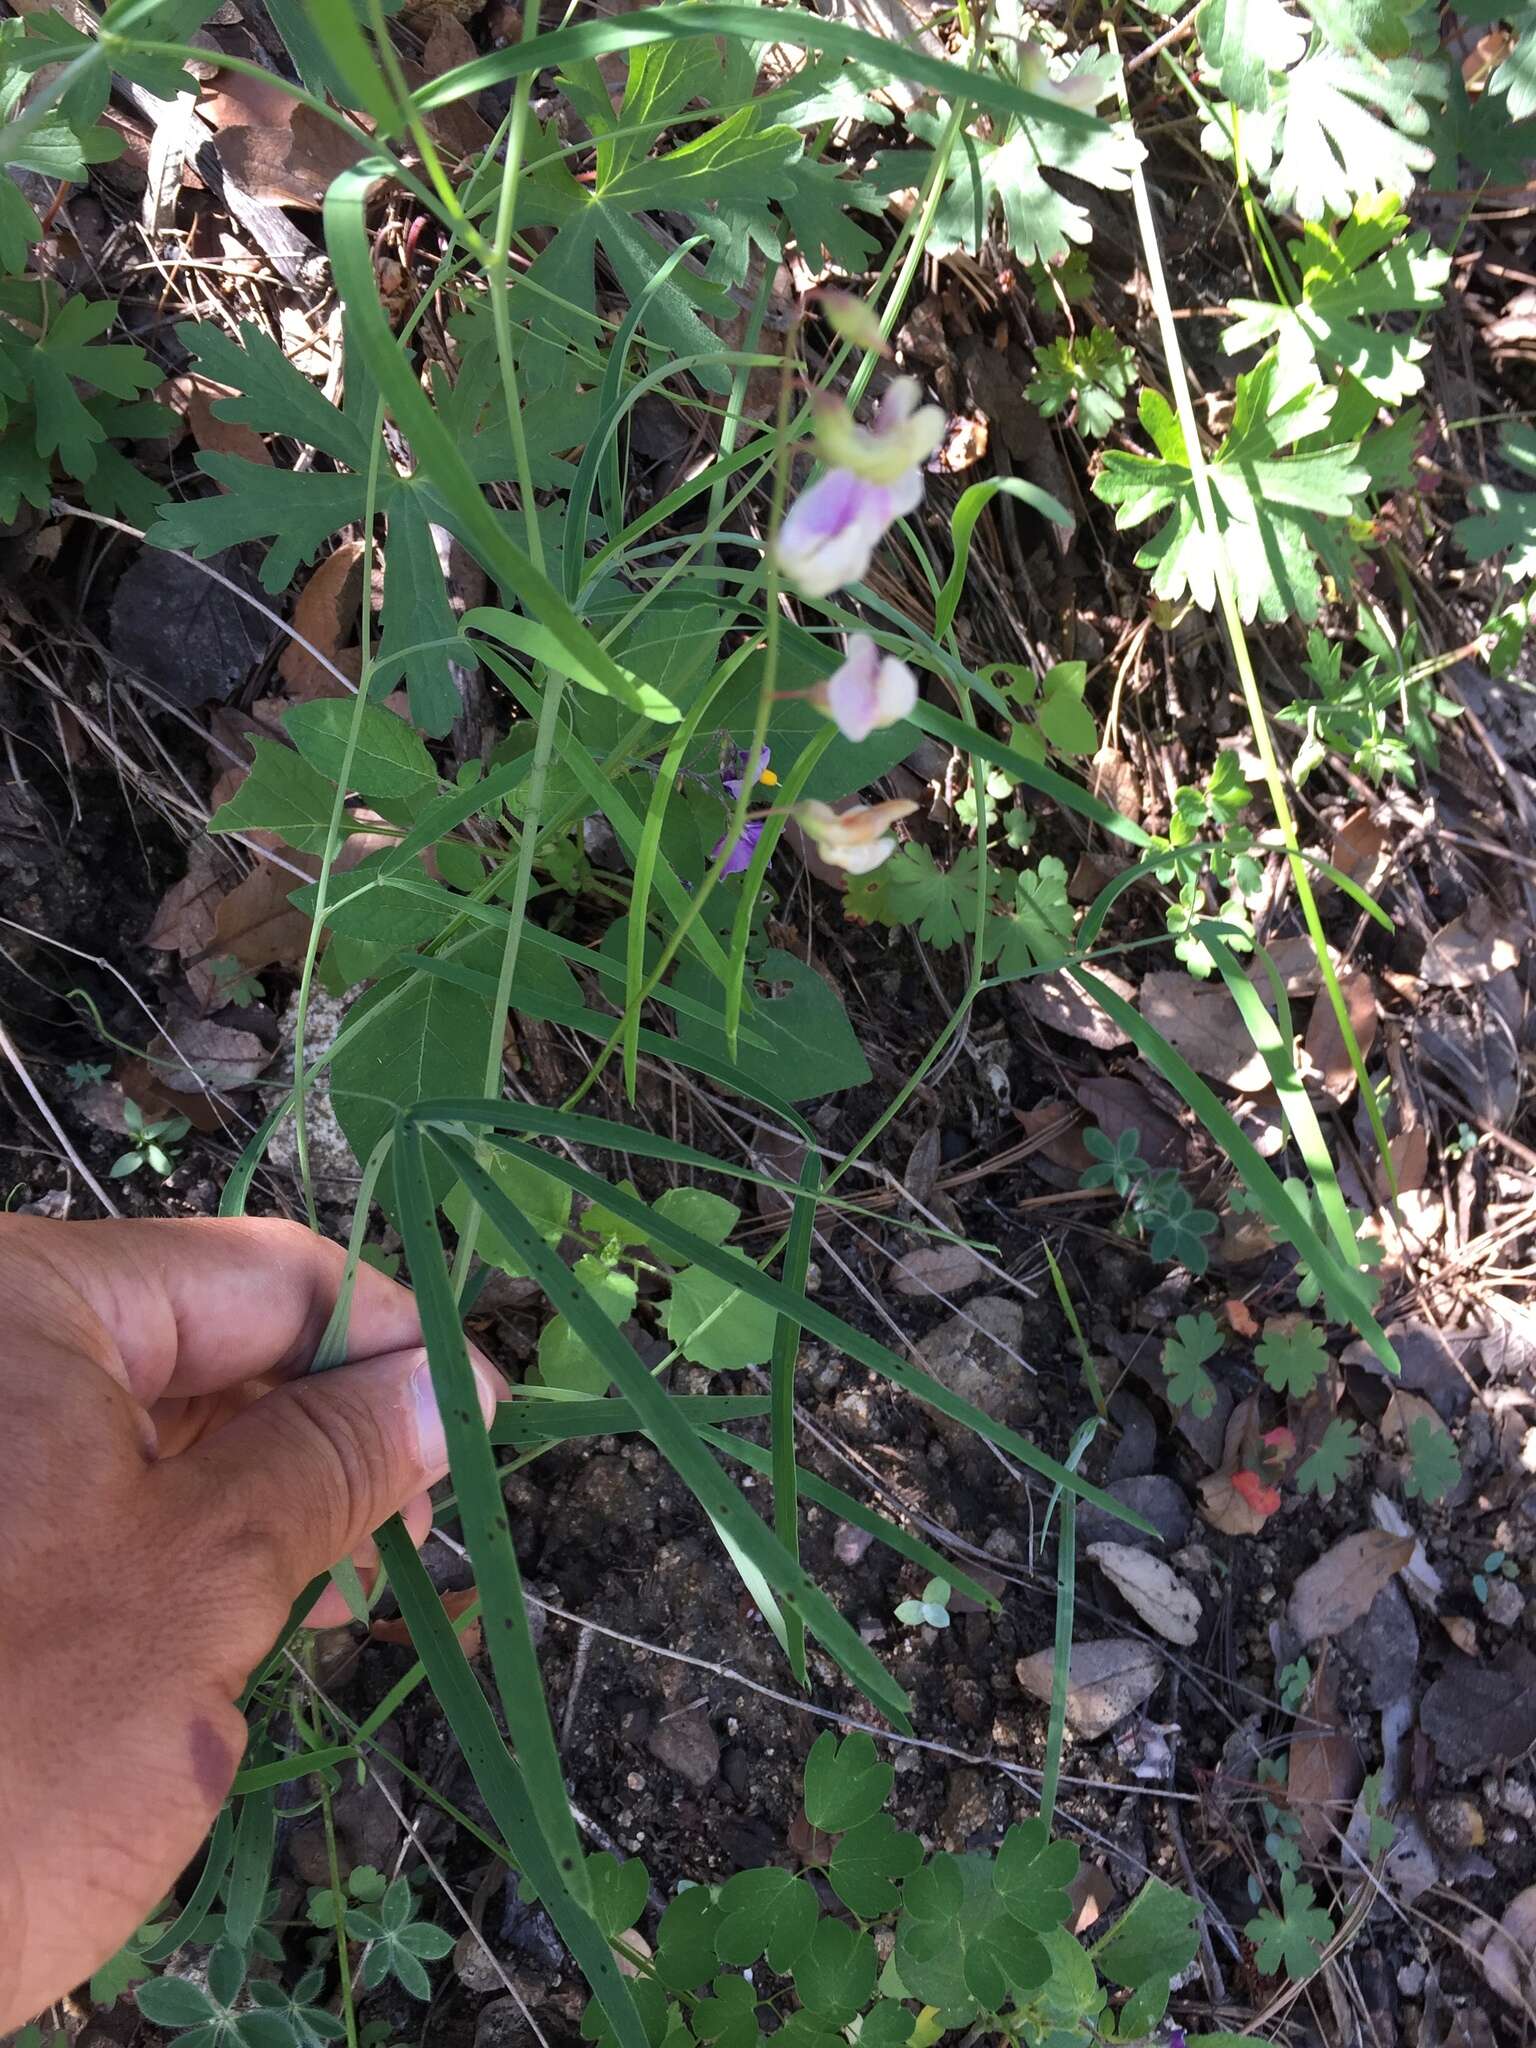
<point x="191" y="1305"/>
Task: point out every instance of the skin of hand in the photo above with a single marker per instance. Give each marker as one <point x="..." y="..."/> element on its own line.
<point x="175" y="1484"/>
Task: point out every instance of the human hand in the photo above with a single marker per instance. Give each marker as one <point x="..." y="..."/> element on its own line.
<point x="172" y="1489"/>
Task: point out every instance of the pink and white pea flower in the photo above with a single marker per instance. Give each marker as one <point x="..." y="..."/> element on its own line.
<point x="855" y="840"/>
<point x="830" y="533"/>
<point x="868" y="692"/>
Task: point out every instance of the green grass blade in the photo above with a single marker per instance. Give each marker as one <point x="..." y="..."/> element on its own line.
<point x="847" y="1508"/>
<point x="786" y="1355"/>
<point x="250" y="1870"/>
<point x="216" y="1859"/>
<point x="266" y="1777"/>
<point x="1273" y="1038"/>
<point x="962" y="523"/>
<point x="556" y="1872"/>
<point x="1259" y="1177"/>
<point x="525" y="1423"/>
<point x="483" y="1512"/>
<point x="728" y="1266"/>
<point x="678" y="1443"/>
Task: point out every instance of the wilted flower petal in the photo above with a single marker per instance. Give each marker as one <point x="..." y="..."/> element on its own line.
<point x="857" y="839"/>
<point x="869" y="691"/>
<point x="901" y="438"/>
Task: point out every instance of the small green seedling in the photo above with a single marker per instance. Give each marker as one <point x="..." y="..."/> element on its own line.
<point x="1434" y="1463"/>
<point x="86" y="1073"/>
<point x="398" y="1943"/>
<point x="230" y="2013"/>
<point x="1495" y="1566"/>
<point x="234" y="983"/>
<point x="153" y="1147"/>
<point x="932" y="1611"/>
<point x="1293" y="1680"/>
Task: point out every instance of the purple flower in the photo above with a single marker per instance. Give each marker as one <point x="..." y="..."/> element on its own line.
<point x="832" y="530"/>
<point x="740" y="858"/>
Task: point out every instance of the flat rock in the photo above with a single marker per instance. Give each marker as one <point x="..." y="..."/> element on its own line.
<point x="687" y="1744"/>
<point x="193" y="638"/>
<point x="1105" y="1681"/>
<point x="1384" y="1643"/>
<point x="1482" y="1714"/>
<point x="1133" y="1454"/>
<point x="1161" y="1500"/>
<point x="979" y="1356"/>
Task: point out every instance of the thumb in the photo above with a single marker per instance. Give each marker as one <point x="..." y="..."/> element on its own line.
<point x="299" y="1478"/>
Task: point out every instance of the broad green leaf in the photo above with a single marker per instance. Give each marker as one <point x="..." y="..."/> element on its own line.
<point x="867" y="1863"/>
<point x="1245" y="42"/>
<point x="1038" y="931"/>
<point x="845" y="1782"/>
<point x="835" y="1971"/>
<point x="685" y="1939"/>
<point x="282" y="794"/>
<point x="541" y="1200"/>
<point x="1342" y="123"/>
<point x="957" y="1946"/>
<point x="174" y="2002"/>
<point x="1292" y="1939"/>
<point x="1435" y="1462"/>
<point x="1292" y="1355"/>
<point x="1349" y="278"/>
<point x="1007" y="171"/>
<point x="912" y="889"/>
<point x="1194" y="1342"/>
<point x="1155" y="1938"/>
<point x="1032" y="1875"/>
<point x="809" y="1048"/>
<point x="716" y="1325"/>
<point x="768" y="1912"/>
<point x="619" y="1892"/>
<point x="388" y="760"/>
<point x="708" y="1216"/>
<point x="1505" y="519"/>
<point x="1272" y="506"/>
<point x="1330" y="1462"/>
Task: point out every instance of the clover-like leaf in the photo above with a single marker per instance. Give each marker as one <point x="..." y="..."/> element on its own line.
<point x="767" y="1911"/>
<point x="1292" y="1355"/>
<point x="868" y="1862"/>
<point x="1292" y="1939"/>
<point x="1330" y="1462"/>
<point x="845" y="1782"/>
<point x="1032" y="1874"/>
<point x="1195" y="1339"/>
<point x="1434" y="1461"/>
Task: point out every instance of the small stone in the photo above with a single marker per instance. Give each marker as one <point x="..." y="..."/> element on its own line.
<point x="1456" y="1824"/>
<point x="1161" y="1501"/>
<point x="1133" y="1454"/>
<point x="979" y="1356"/>
<point x="1384" y="1642"/>
<point x="687" y="1744"/>
<point x="501" y="2024"/>
<point x="1516" y="1797"/>
<point x="1410" y="1979"/>
<point x="967" y="1810"/>
<point x="474" y="1966"/>
<point x="850" y="1544"/>
<point x="1505" y="1603"/>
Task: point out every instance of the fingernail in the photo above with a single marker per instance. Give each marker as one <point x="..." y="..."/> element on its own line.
<point x="431" y="1439"/>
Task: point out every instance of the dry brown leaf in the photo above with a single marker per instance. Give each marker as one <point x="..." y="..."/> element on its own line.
<point x="289" y="162"/>
<point x="1340" y="1587"/>
<point x="208" y="1057"/>
<point x="195" y="397"/>
<point x="326" y="616"/>
<point x="1119" y="1103"/>
<point x="1362" y="850"/>
<point x="1324" y="1044"/>
<point x="1222" y="1505"/>
<point x="1092" y="1893"/>
<point x="1325" y="1768"/>
<point x="1474" y="947"/>
<point x="454" y="1604"/>
<point x="1056" y="1000"/>
<point x="1202" y="1022"/>
<point x="1241" y="1320"/>
<point x="1507" y="1960"/>
<point x="936" y="1269"/>
<point x="456" y="129"/>
<point x="142" y="1083"/>
<point x="1105" y="1681"/>
<point x="1112" y="777"/>
<point x="1462" y="1632"/>
<point x="1162" y="1599"/>
<point x="1295" y="960"/>
<point x="1057" y="1129"/>
<point x="257" y="925"/>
